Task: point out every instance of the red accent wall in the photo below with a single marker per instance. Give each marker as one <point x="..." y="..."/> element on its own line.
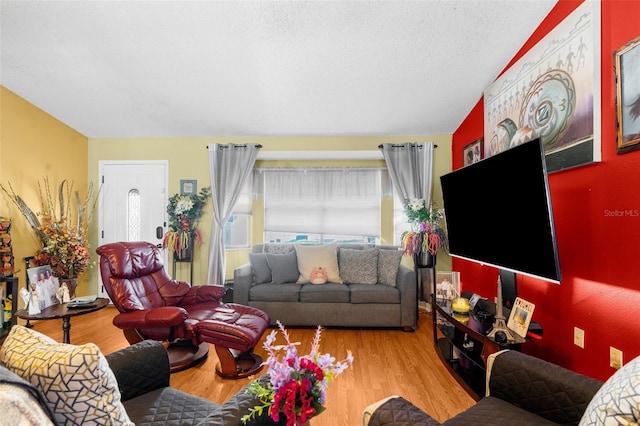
<point x="599" y="252"/>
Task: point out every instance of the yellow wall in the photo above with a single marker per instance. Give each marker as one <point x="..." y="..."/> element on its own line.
<point x="33" y="144"/>
<point x="188" y="159"/>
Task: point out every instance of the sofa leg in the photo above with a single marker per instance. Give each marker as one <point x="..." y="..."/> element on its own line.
<point x="238" y="366"/>
<point x="408" y="329"/>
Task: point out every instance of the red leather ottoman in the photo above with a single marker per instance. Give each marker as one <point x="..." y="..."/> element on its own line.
<point x="234" y="330"/>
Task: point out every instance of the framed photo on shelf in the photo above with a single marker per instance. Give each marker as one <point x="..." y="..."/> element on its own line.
<point x="520" y="316"/>
<point x="44" y="286"/>
<point x="472" y="153"/>
<point x="627" y="69"/>
<point x="447" y="285"/>
<point x="188" y="186"/>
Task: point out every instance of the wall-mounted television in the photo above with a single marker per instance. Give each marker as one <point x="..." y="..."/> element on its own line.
<point x="498" y="212"/>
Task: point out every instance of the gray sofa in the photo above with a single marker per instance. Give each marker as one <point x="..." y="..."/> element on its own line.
<point x="387" y="297"/>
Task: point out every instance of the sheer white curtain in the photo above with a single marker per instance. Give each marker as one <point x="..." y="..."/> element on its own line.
<point x="322" y="201"/>
<point x="229" y="167"/>
<point x="410" y="168"/>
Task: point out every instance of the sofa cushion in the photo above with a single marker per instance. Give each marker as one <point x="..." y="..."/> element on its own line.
<point x="169" y="406"/>
<point x="77" y="382"/>
<point x="374" y="293"/>
<point x="326" y="293"/>
<point x="275" y="293"/>
<point x="388" y="265"/>
<point x="495" y="411"/>
<point x="359" y="266"/>
<point x="260" y="268"/>
<point x="324" y="256"/>
<point x="284" y="267"/>
<point x="617" y="401"/>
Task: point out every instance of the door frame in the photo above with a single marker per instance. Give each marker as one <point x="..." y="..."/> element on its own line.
<point x="101" y="166"/>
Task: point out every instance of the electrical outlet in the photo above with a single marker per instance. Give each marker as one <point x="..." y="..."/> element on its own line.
<point x="578" y="337"/>
<point x="615" y="358"/>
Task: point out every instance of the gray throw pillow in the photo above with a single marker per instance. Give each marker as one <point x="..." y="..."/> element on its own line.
<point x="284" y="267"/>
<point x="260" y="268"/>
<point x="359" y="266"/>
<point x="388" y="264"/>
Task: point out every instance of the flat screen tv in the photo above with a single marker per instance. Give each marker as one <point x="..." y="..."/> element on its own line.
<point x="498" y="212"/>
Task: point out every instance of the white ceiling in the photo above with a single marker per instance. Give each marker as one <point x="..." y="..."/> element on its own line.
<point x="264" y="68"/>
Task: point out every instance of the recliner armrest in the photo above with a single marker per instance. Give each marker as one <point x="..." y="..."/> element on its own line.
<point x="165" y="316"/>
<point x="538" y="386"/>
<point x="140" y="368"/>
<point x="202" y="294"/>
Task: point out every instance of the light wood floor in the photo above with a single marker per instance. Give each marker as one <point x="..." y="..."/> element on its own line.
<point x="387" y="362"/>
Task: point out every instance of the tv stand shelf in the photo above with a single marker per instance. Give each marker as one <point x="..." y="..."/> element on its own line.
<point x="464" y="347"/>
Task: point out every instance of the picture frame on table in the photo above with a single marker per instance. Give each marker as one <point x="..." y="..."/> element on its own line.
<point x="44" y="286"/>
<point x="472" y="153"/>
<point x="447" y="286"/>
<point x="188" y="186"/>
<point x="627" y="68"/>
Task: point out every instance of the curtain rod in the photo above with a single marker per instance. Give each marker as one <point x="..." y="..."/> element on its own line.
<point x="302" y="169"/>
<point x="236" y="145"/>
<point x="400" y="145"/>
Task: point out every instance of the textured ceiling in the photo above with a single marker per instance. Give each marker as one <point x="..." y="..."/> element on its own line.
<point x="266" y="68"/>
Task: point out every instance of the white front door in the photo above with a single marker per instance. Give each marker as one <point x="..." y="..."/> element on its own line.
<point x="132" y="202"/>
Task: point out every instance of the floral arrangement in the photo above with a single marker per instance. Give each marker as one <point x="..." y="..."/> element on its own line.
<point x="63" y="237"/>
<point x="427" y="234"/>
<point x="184" y="213"/>
<point x="297" y="383"/>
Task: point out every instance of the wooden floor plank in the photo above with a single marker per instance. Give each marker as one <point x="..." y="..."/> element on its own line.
<point x="387" y="362"/>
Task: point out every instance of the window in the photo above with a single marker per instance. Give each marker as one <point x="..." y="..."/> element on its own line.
<point x="322" y="204"/>
<point x="133" y="215"/>
<point x="400" y="220"/>
<point x="236" y="230"/>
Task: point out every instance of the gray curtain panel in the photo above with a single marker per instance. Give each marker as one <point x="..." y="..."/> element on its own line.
<point x="410" y="168"/>
<point x="229" y="167"/>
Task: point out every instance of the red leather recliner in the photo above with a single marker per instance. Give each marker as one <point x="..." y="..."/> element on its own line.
<point x="152" y="305"/>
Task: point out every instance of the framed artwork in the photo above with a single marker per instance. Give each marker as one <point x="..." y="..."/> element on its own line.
<point x="188" y="186"/>
<point x="627" y="69"/>
<point x="472" y="153"/>
<point x="552" y="92"/>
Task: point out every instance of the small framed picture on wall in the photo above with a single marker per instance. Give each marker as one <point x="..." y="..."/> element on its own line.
<point x="472" y="153"/>
<point x="188" y="186"/>
<point x="627" y="69"/>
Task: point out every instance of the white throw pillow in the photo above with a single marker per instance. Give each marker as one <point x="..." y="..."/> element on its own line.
<point x="323" y="256"/>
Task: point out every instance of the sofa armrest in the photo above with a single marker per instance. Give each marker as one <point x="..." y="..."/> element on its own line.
<point x="140" y="368"/>
<point x="237" y="406"/>
<point x="396" y="410"/>
<point x="538" y="386"/>
<point x="406" y="284"/>
<point x="242" y="282"/>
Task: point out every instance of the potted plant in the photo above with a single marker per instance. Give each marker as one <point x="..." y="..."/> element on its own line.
<point x="61" y="228"/>
<point x="427" y="236"/>
<point x="185" y="212"/>
<point x="295" y="391"/>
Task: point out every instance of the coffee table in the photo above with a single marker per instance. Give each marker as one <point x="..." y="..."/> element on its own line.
<point x="61" y="311"/>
